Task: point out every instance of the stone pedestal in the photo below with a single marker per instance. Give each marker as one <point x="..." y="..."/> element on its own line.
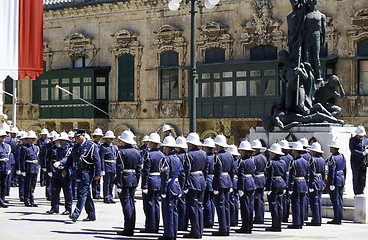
<point x="324" y="134"/>
<point x="361" y="209"/>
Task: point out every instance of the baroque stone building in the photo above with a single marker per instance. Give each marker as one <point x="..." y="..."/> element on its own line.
<point x="131" y="59"/>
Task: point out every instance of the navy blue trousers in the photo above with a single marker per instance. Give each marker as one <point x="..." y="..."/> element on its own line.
<point x="59" y="182"/>
<point x="234" y="208"/>
<point x="223" y="209"/>
<point x="29" y="187"/>
<point x="315" y="201"/>
<point x="170" y="216"/>
<point x="337" y="202"/>
<point x="182" y="213"/>
<point x="96" y="188"/>
<point x="246" y="210"/>
<point x="84" y="199"/>
<point x="359" y="175"/>
<point x="48" y="186"/>
<point x="194" y="202"/>
<point x="3" y="184"/>
<point x="21" y="180"/>
<point x="108" y="185"/>
<point x="298" y="208"/>
<point x="286" y="206"/>
<point x="275" y="200"/>
<point x="126" y="197"/>
<point x="208" y="208"/>
<point x="151" y="208"/>
<point x="259" y="205"/>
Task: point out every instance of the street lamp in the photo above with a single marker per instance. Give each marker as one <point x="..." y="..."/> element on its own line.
<point x="173" y="6"/>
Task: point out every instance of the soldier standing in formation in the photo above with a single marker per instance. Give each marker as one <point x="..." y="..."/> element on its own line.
<point x="129" y="166"/>
<point x="172" y="183"/>
<point x="196" y="171"/>
<point x="88" y="167"/>
<point x="286" y="197"/>
<point x="151" y="184"/>
<point x="208" y="201"/>
<point x="5" y="150"/>
<point x="358" y="159"/>
<point x="275" y="185"/>
<point x="234" y="197"/>
<point x="246" y="186"/>
<point x="96" y="183"/>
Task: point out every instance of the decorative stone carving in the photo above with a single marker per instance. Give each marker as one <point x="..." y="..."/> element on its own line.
<point x="332" y="36"/>
<point x="79" y="45"/>
<point x="358" y="30"/>
<point x="215" y="35"/>
<point x="124" y="110"/>
<point x="227" y="127"/>
<point x="170" y="109"/>
<point x="262" y="29"/>
<point x="47" y="55"/>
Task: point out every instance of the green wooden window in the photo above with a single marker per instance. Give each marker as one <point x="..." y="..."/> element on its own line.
<point x="215" y="55"/>
<point x="260" y="53"/>
<point x="9" y="89"/>
<point x="125" y="78"/>
<point x="363" y="66"/>
<point x="169" y="75"/>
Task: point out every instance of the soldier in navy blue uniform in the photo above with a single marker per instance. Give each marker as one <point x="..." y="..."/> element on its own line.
<point x="144" y="147"/>
<point x="246" y="186"/>
<point x="172" y="182"/>
<point x="29" y="167"/>
<point x="260" y="160"/>
<point x="195" y="184"/>
<point x="286" y="197"/>
<point x="11" y="162"/>
<point x="56" y="167"/>
<point x="96" y="183"/>
<point x="5" y="150"/>
<point x="317" y="167"/>
<point x="129" y="164"/>
<point x="21" y="143"/>
<point x="151" y="184"/>
<point x="108" y="155"/>
<point x="13" y="141"/>
<point x="47" y="159"/>
<point x="306" y="155"/>
<point x="208" y="201"/>
<point x="88" y="167"/>
<point x="298" y="186"/>
<point x="44" y="139"/>
<point x="358" y="159"/>
<point x="336" y="181"/>
<point x="222" y="185"/>
<point x="275" y="185"/>
<point x="181" y="148"/>
<point x="234" y="197"/>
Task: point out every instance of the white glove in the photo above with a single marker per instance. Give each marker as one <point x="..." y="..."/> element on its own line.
<point x="119" y="190"/>
<point x="179" y="196"/>
<point x="18" y="172"/>
<point x="290" y="192"/>
<point x="103" y="173"/>
<point x="50" y="174"/>
<point x="215" y="192"/>
<point x="56" y="164"/>
<point x="163" y="195"/>
<point x="9" y="171"/>
<point x="332" y="187"/>
<point x="241" y="193"/>
<point x="268" y="193"/>
<point x="311" y="190"/>
<point x="185" y="191"/>
<point x="44" y="169"/>
<point x="23" y="174"/>
<point x="144" y="191"/>
<point x="231" y="190"/>
<point x="284" y="191"/>
<point x="365" y="152"/>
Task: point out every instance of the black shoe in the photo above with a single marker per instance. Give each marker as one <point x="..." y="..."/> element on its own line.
<point x="192" y="236"/>
<point x="243" y="231"/>
<point x="6" y="201"/>
<point x="166" y="238"/>
<point x="97" y="197"/>
<point x="48" y="199"/>
<point x="89" y="219"/>
<point x="52" y="212"/>
<point x="295" y="226"/>
<point x="21" y="199"/>
<point x="28" y="205"/>
<point x="220" y="234"/>
<point x="285" y="220"/>
<point x="3" y="205"/>
<point x="34" y="205"/>
<point x="313" y="224"/>
<point x="74" y="219"/>
<point x="258" y="222"/>
<point x="334" y="221"/>
<point x="205" y="226"/>
<point x="66" y="212"/>
<point x="112" y="201"/>
<point x="125" y="233"/>
<point x="148" y="231"/>
<point x="273" y="229"/>
<point x="107" y="201"/>
<point x="233" y="224"/>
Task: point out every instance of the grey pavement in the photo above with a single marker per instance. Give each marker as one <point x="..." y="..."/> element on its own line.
<point x="20" y="222"/>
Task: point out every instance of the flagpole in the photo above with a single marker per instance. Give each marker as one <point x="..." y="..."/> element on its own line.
<point x="14" y="103"/>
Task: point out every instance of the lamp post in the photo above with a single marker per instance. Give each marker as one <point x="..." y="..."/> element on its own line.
<point x="192" y="106"/>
